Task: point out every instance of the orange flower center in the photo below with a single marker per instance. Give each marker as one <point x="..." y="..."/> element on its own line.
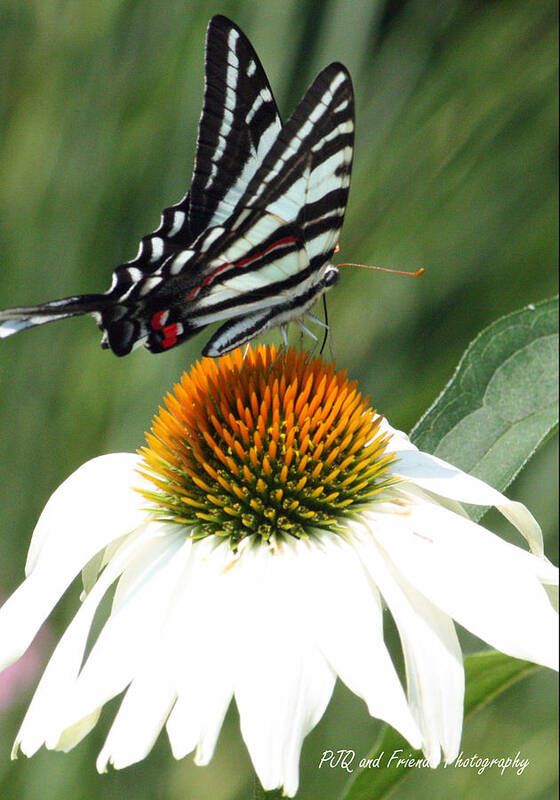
<point x="267" y="443"/>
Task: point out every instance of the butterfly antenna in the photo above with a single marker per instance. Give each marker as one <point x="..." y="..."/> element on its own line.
<point x="416" y="274"/>
<point x="326" y="313"/>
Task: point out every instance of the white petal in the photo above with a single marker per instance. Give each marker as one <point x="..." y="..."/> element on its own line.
<point x="491" y="587"/>
<point x="282" y="683"/>
<point x="439" y="477"/>
<point x="408" y="490"/>
<point x="399" y="440"/>
<point x="130" y="633"/>
<point x="21" y="616"/>
<point x="348" y="622"/>
<point x="63" y="667"/>
<point x="206" y="637"/>
<point x="434" y="665"/>
<point x="142" y="714"/>
<point x="92" y="507"/>
<point x="96" y="504"/>
<point x="187" y="659"/>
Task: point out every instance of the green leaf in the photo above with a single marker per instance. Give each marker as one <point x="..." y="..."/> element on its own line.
<point x="487" y="675"/>
<point x="498" y="408"/>
<point x="502" y="402"/>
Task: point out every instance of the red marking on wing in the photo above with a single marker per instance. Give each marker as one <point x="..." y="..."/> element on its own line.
<point x="245" y="261"/>
<point x="170" y="336"/>
<point x="242" y="263"/>
<point x="158" y="319"/>
<point x="209" y="278"/>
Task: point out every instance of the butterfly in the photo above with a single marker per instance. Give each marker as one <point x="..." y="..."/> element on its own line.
<point x="250" y="245"/>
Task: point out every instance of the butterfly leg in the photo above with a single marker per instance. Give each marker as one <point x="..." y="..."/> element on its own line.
<point x="316" y="320"/>
<point x="304" y="329"/>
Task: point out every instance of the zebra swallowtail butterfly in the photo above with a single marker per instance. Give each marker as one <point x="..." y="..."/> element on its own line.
<point x="251" y="243"/>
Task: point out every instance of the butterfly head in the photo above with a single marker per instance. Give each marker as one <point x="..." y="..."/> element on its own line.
<point x="330" y="276"/>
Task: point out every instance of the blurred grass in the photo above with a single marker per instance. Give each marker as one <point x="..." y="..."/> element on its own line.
<point x="455" y="170"/>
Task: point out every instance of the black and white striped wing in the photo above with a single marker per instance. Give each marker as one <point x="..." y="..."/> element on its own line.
<point x="270" y="262"/>
<point x="221" y="277"/>
<point x="305" y="178"/>
<point x="238" y="125"/>
<point x="250" y="244"/>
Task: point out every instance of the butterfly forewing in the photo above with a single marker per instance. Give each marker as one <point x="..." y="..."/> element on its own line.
<point x="312" y="155"/>
<point x="330" y="163"/>
<point x="238" y="124"/>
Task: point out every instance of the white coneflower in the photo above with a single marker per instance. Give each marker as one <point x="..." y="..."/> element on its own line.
<point x="252" y="543"/>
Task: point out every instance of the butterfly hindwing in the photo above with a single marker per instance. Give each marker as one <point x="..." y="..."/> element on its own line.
<point x="232" y="278"/>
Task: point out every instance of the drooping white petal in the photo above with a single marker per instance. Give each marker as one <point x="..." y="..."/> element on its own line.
<point x="433" y="660"/>
<point x="143" y="712"/>
<point x="282" y="682"/>
<point x="92" y="507"/>
<point x="491" y="587"/>
<point x="435" y="475"/>
<point x="95" y="505"/>
<point x="22" y="615"/>
<point x="130" y="633"/>
<point x="63" y="667"/>
<point x="205" y="631"/>
<point x="412" y="490"/>
<point x="348" y="625"/>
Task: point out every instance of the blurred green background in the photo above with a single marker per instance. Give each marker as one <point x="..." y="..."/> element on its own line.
<point x="455" y="170"/>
